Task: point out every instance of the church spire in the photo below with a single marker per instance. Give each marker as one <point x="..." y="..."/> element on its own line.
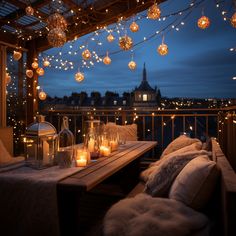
<point x="144" y="73"/>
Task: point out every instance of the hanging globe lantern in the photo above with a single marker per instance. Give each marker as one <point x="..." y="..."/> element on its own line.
<point x="56" y="20"/>
<point x="233" y="20"/>
<point x="125" y="43"/>
<point x="163" y="49"/>
<point x="154" y="12"/>
<point x="42" y="95"/>
<point x="56" y="37"/>
<point x="110" y="38"/>
<point x="29" y="73"/>
<point x="35" y="64"/>
<point x="132" y="65"/>
<point x="29" y="11"/>
<point x="86" y="54"/>
<point x="40" y="71"/>
<point x="203" y="22"/>
<point x="107" y="60"/>
<point x="8" y="78"/>
<point x="79" y="76"/>
<point x="17" y="55"/>
<point x="46" y="63"/>
<point x="134" y="27"/>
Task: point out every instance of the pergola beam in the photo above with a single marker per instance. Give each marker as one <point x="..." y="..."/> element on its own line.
<point x="116" y="8"/>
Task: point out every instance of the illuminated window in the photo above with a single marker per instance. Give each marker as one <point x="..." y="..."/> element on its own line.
<point x="115" y="102"/>
<point x="145" y="97"/>
<point x="124" y="102"/>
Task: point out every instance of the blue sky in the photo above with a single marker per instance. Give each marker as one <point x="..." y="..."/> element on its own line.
<point x="199" y="63"/>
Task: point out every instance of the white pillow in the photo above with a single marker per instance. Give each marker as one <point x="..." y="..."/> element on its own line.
<point x="190" y="148"/>
<point x="195" y="183"/>
<point x="126" y="132"/>
<point x="5" y="157"/>
<point x="178" y="143"/>
<point x="161" y="179"/>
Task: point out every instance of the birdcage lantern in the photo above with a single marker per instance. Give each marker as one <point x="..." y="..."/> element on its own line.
<point x="40" y="144"/>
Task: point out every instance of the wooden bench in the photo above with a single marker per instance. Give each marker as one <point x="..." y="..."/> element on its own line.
<point x="221" y="208"/>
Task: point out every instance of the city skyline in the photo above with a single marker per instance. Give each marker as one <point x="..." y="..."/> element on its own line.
<point x="199" y="63"/>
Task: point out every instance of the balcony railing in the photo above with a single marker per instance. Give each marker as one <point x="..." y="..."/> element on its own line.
<point x="160" y="125"/>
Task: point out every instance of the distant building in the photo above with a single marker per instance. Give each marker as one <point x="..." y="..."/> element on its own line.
<point x="144" y="94"/>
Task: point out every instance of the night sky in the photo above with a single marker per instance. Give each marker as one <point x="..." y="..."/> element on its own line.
<point x="199" y="63"/>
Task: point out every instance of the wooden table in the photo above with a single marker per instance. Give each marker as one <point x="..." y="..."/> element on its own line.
<point x="72" y="189"/>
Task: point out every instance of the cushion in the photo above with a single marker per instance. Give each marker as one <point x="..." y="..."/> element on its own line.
<point x="5" y="157"/>
<point x="125" y="132"/>
<point x="160" y="181"/>
<point x="193" y="147"/>
<point x="180" y="142"/>
<point x="144" y="215"/>
<point x="195" y="183"/>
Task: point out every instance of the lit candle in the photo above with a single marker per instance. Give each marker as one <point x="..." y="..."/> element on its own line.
<point x="114" y="145"/>
<point x="81" y="162"/>
<point x="105" y="151"/>
<point x="82" y="158"/>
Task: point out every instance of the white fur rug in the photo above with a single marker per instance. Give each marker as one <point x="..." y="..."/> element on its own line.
<point x="147" y="216"/>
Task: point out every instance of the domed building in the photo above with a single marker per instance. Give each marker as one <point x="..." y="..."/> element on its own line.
<point x="144" y="94"/>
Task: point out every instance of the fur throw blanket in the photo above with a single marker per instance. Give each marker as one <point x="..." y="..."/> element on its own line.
<point x="144" y="215"/>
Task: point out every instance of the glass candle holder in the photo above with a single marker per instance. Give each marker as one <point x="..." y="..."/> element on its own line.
<point x="105" y="151"/>
<point x="82" y="158"/>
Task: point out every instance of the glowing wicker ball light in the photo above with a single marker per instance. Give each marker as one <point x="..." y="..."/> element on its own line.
<point x="29" y="73"/>
<point x="154" y="12"/>
<point x="107" y="60"/>
<point x="56" y="20"/>
<point x="42" y="95"/>
<point x="86" y="54"/>
<point x="125" y="43"/>
<point x="17" y="55"/>
<point x="46" y="63"/>
<point x="132" y="65"/>
<point x="134" y="27"/>
<point x="110" y="38"/>
<point x="203" y="22"/>
<point x="35" y="65"/>
<point x="233" y="20"/>
<point x="40" y="71"/>
<point x="8" y="78"/>
<point x="56" y="37"/>
<point x="163" y="49"/>
<point x="79" y="76"/>
<point x="29" y="11"/>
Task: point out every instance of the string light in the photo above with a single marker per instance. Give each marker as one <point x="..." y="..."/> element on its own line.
<point x="154" y="12"/>
<point x="233" y="20"/>
<point x="110" y="38"/>
<point x="79" y="76"/>
<point x="107" y="60"/>
<point x="17" y="55"/>
<point x="134" y="27"/>
<point x="203" y="22"/>
<point x="29" y="73"/>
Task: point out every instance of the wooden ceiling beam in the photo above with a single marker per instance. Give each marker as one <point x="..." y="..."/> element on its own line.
<point x="21" y="11"/>
<point x="117" y="9"/>
<point x="70" y="4"/>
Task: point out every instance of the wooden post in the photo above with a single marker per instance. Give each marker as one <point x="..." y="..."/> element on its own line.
<point x="3" y="100"/>
<point x="32" y="98"/>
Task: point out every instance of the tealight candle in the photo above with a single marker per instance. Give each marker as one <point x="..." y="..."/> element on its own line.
<point x="81" y="162"/>
<point x="105" y="151"/>
<point x="82" y="158"/>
